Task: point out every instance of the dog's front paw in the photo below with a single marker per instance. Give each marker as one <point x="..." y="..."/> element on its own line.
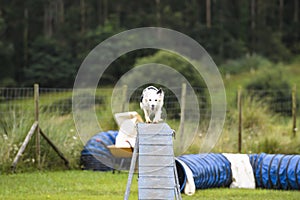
<point x="148" y="120"/>
<point x="157" y="120"/>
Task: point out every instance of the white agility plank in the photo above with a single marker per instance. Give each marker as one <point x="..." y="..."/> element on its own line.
<point x="156" y="162"/>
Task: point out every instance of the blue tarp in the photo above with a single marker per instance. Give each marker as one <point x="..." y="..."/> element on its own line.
<point x="97" y="144"/>
<point x="276" y="171"/>
<point x="209" y="170"/>
<point x="95" y="154"/>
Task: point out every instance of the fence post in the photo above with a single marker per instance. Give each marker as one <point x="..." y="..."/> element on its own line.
<point x="35" y="128"/>
<point x="24" y="144"/>
<point x="124" y="97"/>
<point x="240" y="120"/>
<point x="182" y="112"/>
<point x="294" y="110"/>
<point x="36" y="118"/>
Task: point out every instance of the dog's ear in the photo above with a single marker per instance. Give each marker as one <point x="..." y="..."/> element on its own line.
<point x="159" y="91"/>
<point x="141" y="100"/>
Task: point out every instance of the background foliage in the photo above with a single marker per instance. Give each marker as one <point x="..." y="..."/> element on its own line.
<point x="46" y="41"/>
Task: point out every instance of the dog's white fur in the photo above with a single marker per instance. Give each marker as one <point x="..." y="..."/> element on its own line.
<point x="151" y="103"/>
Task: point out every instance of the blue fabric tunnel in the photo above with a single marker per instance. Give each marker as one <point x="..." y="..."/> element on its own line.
<point x="95" y="152"/>
<point x="209" y="170"/>
<point x="276" y="171"/>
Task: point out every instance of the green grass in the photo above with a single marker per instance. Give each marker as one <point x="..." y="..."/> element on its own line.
<point x="88" y="185"/>
<point x="63" y="185"/>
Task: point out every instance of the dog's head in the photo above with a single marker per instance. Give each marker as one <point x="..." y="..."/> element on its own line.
<point x="152" y="98"/>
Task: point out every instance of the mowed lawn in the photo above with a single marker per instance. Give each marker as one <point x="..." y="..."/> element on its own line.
<point x="84" y="185"/>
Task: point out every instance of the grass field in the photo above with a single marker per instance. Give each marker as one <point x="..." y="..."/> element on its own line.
<point x="88" y="185"/>
<point x="262" y="132"/>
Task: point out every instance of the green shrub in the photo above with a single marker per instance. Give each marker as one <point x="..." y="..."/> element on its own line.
<point x="269" y="145"/>
<point x="272" y="88"/>
<point x="256" y="115"/>
<point x="245" y="64"/>
<point x="176" y="62"/>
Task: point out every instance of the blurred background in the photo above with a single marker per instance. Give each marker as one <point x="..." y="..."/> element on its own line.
<point x="255" y="44"/>
<point x="46" y="41"/>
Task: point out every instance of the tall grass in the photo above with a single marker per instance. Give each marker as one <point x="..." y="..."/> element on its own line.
<point x="60" y="129"/>
<point x="12" y="126"/>
<point x="262" y="130"/>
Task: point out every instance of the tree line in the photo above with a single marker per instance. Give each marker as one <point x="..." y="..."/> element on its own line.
<point x="45" y="41"/>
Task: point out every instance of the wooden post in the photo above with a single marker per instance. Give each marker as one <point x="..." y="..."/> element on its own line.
<point x="182" y="112"/>
<point x="35" y="128"/>
<point x="22" y="148"/>
<point x="59" y="153"/>
<point x="124" y="97"/>
<point x="36" y="118"/>
<point x="240" y="120"/>
<point x="294" y="110"/>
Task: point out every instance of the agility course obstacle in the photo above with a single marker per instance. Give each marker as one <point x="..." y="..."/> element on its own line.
<point x="276" y="171"/>
<point x="210" y="170"/>
<point x="96" y="150"/>
<point x="156" y="163"/>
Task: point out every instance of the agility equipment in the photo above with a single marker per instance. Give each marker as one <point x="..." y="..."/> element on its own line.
<point x="96" y="150"/>
<point x="209" y="170"/>
<point x="276" y="171"/>
<point x="157" y="177"/>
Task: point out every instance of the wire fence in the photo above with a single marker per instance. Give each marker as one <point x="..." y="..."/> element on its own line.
<point x="57" y="100"/>
<point x="281" y="102"/>
<point x="18" y="110"/>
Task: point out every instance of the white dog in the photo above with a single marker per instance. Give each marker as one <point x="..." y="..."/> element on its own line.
<point x="151" y="103"/>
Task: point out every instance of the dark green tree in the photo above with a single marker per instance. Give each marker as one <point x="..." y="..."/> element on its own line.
<point x="227" y="29"/>
<point x="6" y="54"/>
<point x="50" y="64"/>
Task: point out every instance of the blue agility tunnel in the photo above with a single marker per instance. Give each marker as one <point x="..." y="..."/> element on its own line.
<point x="276" y="171"/>
<point x="95" y="154"/>
<point x="209" y="170"/>
<point x="214" y="170"/>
